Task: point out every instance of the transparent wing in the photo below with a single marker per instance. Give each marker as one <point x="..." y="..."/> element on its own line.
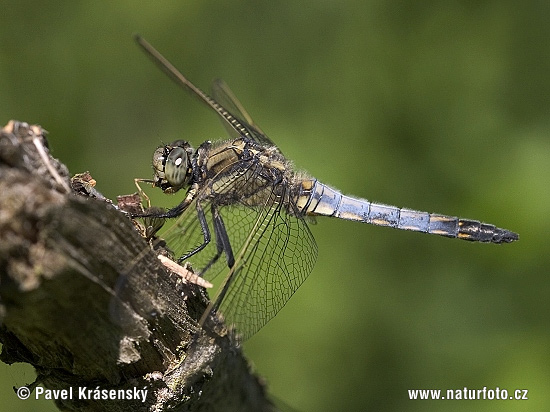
<point x="234" y="117"/>
<point x="227" y="99"/>
<point x="279" y="256"/>
<point x="273" y="248"/>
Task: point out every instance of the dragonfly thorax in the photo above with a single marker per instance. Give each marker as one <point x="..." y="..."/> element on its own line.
<point x="172" y="166"/>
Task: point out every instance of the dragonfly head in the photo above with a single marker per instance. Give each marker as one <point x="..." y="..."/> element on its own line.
<point x="172" y="166"/>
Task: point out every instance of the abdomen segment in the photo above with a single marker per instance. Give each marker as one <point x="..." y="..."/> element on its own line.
<point x="317" y="199"/>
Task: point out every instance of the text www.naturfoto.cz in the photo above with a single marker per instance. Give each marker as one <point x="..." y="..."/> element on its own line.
<point x="468" y="394"/>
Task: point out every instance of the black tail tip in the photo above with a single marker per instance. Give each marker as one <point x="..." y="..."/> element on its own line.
<point x="505" y="236"/>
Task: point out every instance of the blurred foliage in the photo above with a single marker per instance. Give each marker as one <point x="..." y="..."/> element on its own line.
<point x="437" y="106"/>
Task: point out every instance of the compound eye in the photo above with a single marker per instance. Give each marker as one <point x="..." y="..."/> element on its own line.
<point x="176" y="169"/>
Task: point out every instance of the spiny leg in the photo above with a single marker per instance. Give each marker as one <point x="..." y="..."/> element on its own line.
<point x="223" y="244"/>
<point x="141" y="192"/>
<point x="205" y="232"/>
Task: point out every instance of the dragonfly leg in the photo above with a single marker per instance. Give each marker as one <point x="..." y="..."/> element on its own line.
<point x="175" y="211"/>
<point x="205" y="233"/>
<point x="222" y="242"/>
<point x="142" y="194"/>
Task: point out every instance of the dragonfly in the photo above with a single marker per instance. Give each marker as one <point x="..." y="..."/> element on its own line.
<point x="246" y="212"/>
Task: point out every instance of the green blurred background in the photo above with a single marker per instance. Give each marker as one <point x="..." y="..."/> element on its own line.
<point x="438" y="106"/>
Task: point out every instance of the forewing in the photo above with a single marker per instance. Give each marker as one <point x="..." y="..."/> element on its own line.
<point x="227" y="99"/>
<point x="228" y="108"/>
<point x="274" y="253"/>
<point x="186" y="234"/>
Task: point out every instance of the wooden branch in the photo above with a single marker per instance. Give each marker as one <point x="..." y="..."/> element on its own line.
<point x="84" y="299"/>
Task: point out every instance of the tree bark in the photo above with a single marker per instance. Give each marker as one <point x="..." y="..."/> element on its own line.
<point x="84" y="299"/>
